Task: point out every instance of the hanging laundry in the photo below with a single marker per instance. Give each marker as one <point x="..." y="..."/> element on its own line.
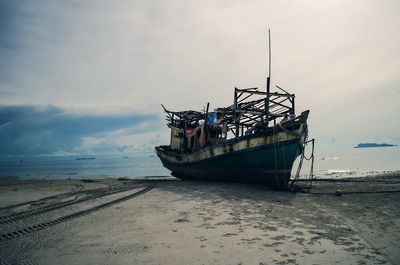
<point x="202" y="139"/>
<point x="212" y="117"/>
<point x="190" y="132"/>
<point x="225" y="128"/>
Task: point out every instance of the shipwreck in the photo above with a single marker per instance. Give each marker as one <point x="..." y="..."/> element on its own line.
<point x="256" y="139"/>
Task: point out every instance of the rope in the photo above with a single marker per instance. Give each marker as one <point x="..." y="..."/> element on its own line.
<point x="303" y="147"/>
<point x="297" y="135"/>
<point x="308" y="182"/>
<point x="353" y="192"/>
<point x="276" y="159"/>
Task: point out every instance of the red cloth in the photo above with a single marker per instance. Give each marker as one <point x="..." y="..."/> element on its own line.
<point x="190" y="132"/>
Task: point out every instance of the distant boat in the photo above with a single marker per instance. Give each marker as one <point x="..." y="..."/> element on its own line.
<point x="85" y="158"/>
<point x="256" y="139"/>
<point x="367" y="145"/>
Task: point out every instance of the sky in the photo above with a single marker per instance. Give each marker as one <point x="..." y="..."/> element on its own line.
<point x="81" y="77"/>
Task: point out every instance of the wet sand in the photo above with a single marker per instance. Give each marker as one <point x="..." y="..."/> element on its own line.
<point x="184" y="222"/>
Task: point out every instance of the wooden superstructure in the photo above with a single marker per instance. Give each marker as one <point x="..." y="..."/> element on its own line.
<point x="252" y="111"/>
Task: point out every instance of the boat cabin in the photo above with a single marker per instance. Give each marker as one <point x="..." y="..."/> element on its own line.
<point x="251" y="112"/>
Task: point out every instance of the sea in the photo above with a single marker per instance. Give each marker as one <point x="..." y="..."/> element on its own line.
<point x="330" y="161"/>
<point x="135" y="166"/>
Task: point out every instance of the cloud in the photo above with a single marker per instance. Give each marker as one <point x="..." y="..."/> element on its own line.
<point x="339" y="57"/>
<point x="47" y="130"/>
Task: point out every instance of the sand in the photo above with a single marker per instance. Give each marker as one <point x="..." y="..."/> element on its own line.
<point x="185" y="222"/>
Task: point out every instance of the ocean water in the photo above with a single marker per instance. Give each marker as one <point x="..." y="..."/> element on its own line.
<point x="330" y="161"/>
<point x="64" y="167"/>
<point x="335" y="160"/>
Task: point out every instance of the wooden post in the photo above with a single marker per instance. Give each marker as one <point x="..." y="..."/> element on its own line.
<point x="205" y="121"/>
<point x="204" y="135"/>
<point x="293" y="109"/>
<point x="267" y="103"/>
<point x="236" y="120"/>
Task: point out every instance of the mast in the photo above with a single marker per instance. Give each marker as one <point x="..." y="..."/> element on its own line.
<point x="269" y="60"/>
<point x="268" y="79"/>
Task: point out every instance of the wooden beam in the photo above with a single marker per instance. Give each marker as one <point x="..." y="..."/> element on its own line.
<point x="282" y="95"/>
<point x="251" y="111"/>
<point x="265" y="93"/>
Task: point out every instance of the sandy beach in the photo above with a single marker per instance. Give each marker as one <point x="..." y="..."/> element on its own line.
<point x="182" y="222"/>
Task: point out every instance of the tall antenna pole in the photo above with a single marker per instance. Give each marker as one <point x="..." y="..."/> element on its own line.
<point x="269" y="61"/>
<point x="268" y="79"/>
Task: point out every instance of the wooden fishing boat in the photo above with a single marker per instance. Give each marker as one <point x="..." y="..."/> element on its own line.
<point x="262" y="148"/>
<point x="256" y="139"/>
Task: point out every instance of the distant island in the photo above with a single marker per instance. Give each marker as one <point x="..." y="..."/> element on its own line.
<point x="373" y="145"/>
<point x="85" y="158"/>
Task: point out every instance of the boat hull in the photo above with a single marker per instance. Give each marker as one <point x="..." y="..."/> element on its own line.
<point x="266" y="159"/>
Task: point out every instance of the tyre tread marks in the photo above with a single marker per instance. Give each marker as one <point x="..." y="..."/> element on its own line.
<point x="28" y="213"/>
<point x="41" y="226"/>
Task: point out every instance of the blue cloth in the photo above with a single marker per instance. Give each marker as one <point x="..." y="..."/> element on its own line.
<point x="211" y="118"/>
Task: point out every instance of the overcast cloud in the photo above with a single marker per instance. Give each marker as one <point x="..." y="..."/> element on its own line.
<point x="51" y="130"/>
<point x="339" y="57"/>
